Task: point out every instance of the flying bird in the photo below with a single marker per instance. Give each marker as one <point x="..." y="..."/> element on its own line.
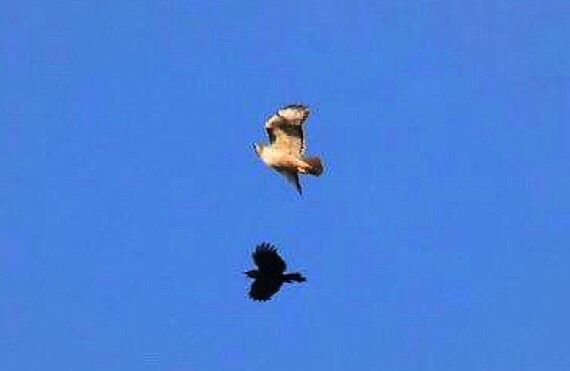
<point x="286" y="150"/>
<point x="270" y="274"/>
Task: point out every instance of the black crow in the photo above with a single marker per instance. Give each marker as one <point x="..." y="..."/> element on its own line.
<point x="271" y="273"/>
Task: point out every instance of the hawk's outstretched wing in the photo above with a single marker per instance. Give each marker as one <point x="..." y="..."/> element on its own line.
<point x="263" y="289"/>
<point x="285" y="129"/>
<point x="268" y="260"/>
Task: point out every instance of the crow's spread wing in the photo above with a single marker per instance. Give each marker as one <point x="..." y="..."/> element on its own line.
<point x="268" y="260"/>
<point x="263" y="289"/>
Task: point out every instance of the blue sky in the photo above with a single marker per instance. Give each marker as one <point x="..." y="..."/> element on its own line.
<point x="437" y="239"/>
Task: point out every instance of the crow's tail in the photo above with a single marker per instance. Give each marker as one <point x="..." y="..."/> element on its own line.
<point x="294" y="277"/>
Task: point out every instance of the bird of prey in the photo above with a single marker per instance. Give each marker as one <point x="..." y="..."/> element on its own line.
<point x="286" y="150"/>
<point x="270" y="274"/>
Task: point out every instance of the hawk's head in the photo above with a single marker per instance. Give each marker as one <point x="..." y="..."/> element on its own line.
<point x="258" y="148"/>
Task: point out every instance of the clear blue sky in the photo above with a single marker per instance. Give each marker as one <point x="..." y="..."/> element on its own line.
<point x="438" y="238"/>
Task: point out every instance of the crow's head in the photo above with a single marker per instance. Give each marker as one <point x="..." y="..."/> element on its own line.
<point x="252" y="273"/>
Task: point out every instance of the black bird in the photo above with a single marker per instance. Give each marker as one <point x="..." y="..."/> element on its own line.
<point x="271" y="273"/>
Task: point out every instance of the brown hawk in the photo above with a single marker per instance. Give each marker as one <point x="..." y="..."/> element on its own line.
<point x="286" y="150"/>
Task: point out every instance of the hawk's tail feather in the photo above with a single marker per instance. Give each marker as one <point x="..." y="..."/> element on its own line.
<point x="294" y="277"/>
<point x="316" y="164"/>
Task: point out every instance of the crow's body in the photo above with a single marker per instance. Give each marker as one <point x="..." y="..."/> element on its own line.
<point x="271" y="273"/>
